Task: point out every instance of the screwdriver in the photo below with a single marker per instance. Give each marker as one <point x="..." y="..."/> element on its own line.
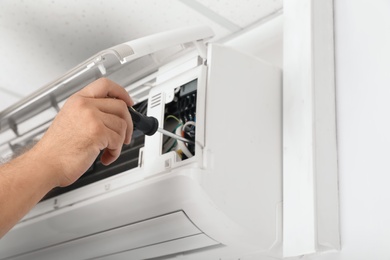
<point x="149" y="125"/>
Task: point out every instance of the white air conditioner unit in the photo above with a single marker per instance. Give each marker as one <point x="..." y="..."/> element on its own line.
<point x="163" y="197"/>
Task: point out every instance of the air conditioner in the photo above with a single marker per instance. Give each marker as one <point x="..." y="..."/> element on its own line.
<point x="163" y="197"/>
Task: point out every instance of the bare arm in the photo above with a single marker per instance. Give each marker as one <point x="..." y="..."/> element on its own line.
<point x="88" y="123"/>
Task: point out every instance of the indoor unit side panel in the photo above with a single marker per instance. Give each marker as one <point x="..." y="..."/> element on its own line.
<point x="243" y="148"/>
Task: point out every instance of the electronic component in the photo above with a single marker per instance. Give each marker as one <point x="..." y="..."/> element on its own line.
<point x="180" y="119"/>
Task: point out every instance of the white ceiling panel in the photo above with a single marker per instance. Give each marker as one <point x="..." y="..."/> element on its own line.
<point x="7" y="98"/>
<point x="243" y="12"/>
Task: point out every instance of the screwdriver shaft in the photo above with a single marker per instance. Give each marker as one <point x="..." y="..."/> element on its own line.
<point x="175" y="136"/>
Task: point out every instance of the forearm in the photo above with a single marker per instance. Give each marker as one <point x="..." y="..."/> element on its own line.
<point x="23" y="183"/>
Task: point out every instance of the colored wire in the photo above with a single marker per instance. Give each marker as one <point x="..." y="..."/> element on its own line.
<point x="181" y="145"/>
<point x="173" y="131"/>
<point x="173" y="117"/>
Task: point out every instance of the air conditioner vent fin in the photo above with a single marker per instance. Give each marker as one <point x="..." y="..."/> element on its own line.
<point x="155" y="100"/>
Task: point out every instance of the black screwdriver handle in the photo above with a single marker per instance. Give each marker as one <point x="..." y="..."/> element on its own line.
<point x="147" y="124"/>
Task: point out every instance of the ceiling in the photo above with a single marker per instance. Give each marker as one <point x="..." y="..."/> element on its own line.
<point x="42" y="40"/>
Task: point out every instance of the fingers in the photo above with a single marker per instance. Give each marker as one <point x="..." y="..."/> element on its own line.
<point x="114" y="141"/>
<point x="103" y="88"/>
<point x="118" y="108"/>
<point x="115" y="127"/>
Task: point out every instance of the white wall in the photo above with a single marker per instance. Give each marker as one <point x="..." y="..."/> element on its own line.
<point x="362" y="34"/>
<point x="362" y="44"/>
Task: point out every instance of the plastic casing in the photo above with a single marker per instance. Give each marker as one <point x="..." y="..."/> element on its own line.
<point x="227" y="196"/>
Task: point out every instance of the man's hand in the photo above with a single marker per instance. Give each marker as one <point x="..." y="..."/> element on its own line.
<point x="93" y="119"/>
